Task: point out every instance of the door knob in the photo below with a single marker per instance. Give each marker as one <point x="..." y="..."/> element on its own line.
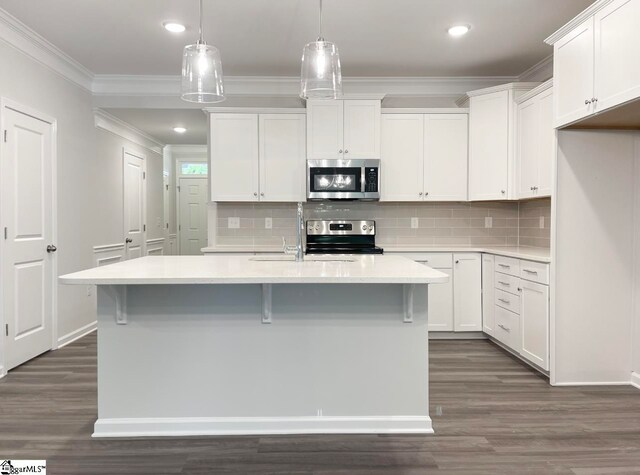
<point x="51" y="248"/>
<point x="128" y="240"/>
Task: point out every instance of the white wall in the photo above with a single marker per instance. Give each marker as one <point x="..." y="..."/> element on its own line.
<point x="635" y="365"/>
<point x="89" y="178"/>
<point x="594" y="257"/>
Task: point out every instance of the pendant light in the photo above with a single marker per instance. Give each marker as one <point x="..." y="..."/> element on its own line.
<point x="320" y="76"/>
<point x="202" y="71"/>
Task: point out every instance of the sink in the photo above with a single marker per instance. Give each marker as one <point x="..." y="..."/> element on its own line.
<point x="289" y="258"/>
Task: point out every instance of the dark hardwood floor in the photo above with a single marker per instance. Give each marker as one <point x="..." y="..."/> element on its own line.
<point x="492" y="415"/>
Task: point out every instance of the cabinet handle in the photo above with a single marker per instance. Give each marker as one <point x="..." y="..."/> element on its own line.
<point x="519" y="289"/>
<point x="261" y="194"/>
<point x="504" y="328"/>
<point x="530" y="271"/>
<point x="457" y="262"/>
<point x="340" y="151"/>
<point x="255" y="194"/>
<point x="420" y="194"/>
<point x="503" y="192"/>
<point x="504" y="301"/>
<point x="504" y="283"/>
<point x="587" y="102"/>
<point x="505" y="266"/>
<point x="595" y="99"/>
<point x="346" y="151"/>
<point x="531" y="188"/>
<point x="426" y="193"/>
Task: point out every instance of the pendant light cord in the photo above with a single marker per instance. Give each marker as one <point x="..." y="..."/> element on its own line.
<point x="201" y="39"/>
<point x="320" y="38"/>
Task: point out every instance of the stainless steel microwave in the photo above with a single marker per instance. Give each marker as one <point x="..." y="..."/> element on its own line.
<point x="343" y="179"/>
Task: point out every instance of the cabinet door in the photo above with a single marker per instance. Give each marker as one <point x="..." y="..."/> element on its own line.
<point x="617" y="49"/>
<point x="528" y="147"/>
<point x="361" y="129"/>
<point x="547" y="143"/>
<point x="282" y="152"/>
<point x="402" y="157"/>
<point x="534" y="326"/>
<point x="488" y="294"/>
<point x="441" y="305"/>
<point x="573" y="79"/>
<point x="467" y="292"/>
<point x="325" y="125"/>
<point x="233" y="145"/>
<point x="489" y="146"/>
<point x="446" y="157"/>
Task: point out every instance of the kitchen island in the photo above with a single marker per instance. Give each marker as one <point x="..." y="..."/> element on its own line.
<point x="193" y="345"/>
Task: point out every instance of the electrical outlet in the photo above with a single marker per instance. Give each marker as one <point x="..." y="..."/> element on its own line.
<point x="268" y="223"/>
<point x="233" y="223"/>
<point x="541" y="222"/>
<point x="414" y="223"/>
<point x="488" y="222"/>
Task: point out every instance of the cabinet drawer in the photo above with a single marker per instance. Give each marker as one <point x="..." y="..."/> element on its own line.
<point x="534" y="271"/>
<point x="508" y="265"/>
<point x="507" y="328"/>
<point x="439" y="260"/>
<point x="508" y="301"/>
<point x="506" y="282"/>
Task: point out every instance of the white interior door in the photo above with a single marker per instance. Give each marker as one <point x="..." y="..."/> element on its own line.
<point x="192" y="229"/>
<point x="134" y="205"/>
<point x="27" y="197"/>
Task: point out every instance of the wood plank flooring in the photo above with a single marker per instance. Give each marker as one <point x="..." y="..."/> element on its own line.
<point x="492" y="415"/>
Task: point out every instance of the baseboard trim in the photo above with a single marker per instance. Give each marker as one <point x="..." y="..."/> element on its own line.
<point x="635" y="379"/>
<point x="185" y="426"/>
<point x="77" y="334"/>
<point x="457" y="336"/>
<point x="593" y="383"/>
<point x="3" y="373"/>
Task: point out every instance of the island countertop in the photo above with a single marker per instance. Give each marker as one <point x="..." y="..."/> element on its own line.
<point x="367" y="269"/>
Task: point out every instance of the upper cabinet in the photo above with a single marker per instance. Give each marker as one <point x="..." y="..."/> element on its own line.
<point x="257" y="157"/>
<point x="492" y="138"/>
<point x="424" y="157"/>
<point x="596" y="68"/>
<point x="536" y="143"/>
<point x="343" y="129"/>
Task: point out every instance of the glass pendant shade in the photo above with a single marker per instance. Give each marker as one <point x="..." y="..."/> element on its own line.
<point x="202" y="79"/>
<point x="320" y="77"/>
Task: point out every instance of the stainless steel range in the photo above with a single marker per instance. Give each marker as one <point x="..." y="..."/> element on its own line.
<point x="342" y="237"/>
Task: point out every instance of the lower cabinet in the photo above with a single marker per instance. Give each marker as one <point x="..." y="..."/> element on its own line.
<point x="488" y="294"/>
<point x="534" y="315"/>
<point x="441" y="304"/>
<point x="467" y="292"/>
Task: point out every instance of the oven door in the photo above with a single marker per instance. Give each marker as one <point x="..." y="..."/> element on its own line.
<point x="342" y="179"/>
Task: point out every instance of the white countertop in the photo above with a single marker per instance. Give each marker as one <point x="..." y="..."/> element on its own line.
<point x="522" y="252"/>
<point x="220" y="269"/>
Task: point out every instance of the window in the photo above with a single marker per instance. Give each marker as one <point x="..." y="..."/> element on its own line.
<point x="197" y="168"/>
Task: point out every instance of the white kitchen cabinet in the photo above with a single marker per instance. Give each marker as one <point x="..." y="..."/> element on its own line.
<point x="257" y="157"/>
<point x="617" y="49"/>
<point x="573" y="66"/>
<point x="467" y="292"/>
<point x="282" y="150"/>
<point x="492" y="137"/>
<point x="446" y="154"/>
<point x="343" y="129"/>
<point x="441" y="304"/>
<point x="595" y="62"/>
<point x="488" y="294"/>
<point x="534" y="322"/>
<point x="424" y="157"/>
<point x="536" y="142"/>
<point x="234" y="157"/>
<point x="402" y="157"/>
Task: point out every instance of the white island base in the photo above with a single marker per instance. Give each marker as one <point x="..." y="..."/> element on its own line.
<point x="284" y="358"/>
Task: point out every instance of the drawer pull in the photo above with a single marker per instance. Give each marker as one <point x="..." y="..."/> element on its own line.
<point x="504" y="283"/>
<point x="504" y="328"/>
<point x="530" y="271"/>
<point x="504" y="301"/>
<point x="505" y="266"/>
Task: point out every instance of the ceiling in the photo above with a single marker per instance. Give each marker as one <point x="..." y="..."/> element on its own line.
<point x="159" y="123"/>
<point x="400" y="38"/>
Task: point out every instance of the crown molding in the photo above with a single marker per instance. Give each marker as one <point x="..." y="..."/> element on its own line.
<point x="542" y="68"/>
<point x="577" y="21"/>
<point x="140" y="86"/>
<point x="106" y="121"/>
<point x="535" y="91"/>
<point x="424" y="110"/>
<point x="254" y="110"/>
<point x="24" y="39"/>
<point x="513" y="86"/>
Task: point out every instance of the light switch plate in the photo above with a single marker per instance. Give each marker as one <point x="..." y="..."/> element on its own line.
<point x="233" y="222"/>
<point x="541" y="222"/>
<point x="488" y="222"/>
<point x="414" y="223"/>
<point x="268" y="223"/>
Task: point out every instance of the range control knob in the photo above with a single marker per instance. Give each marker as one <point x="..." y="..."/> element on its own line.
<point x="371" y="227"/>
<point x="364" y="227"/>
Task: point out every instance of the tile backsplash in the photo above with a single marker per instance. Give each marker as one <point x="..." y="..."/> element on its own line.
<point x="439" y="224"/>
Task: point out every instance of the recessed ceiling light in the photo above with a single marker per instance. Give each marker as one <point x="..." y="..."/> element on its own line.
<point x="174" y="27"/>
<point x="459" y="30"/>
<point x="179" y="130"/>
